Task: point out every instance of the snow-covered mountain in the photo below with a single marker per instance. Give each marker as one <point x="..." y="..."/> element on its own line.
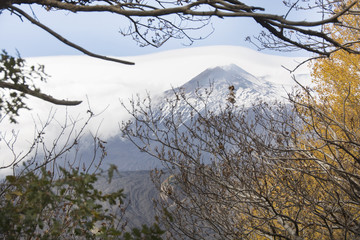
<point x="225" y="75"/>
<point x="213" y="84"/>
<point x="247" y="87"/>
<point x="211" y="88"/>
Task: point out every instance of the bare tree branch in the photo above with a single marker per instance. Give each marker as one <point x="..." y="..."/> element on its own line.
<point x="308" y="35"/>
<point x="275" y="170"/>
<point x="65" y="41"/>
<point x="45" y="97"/>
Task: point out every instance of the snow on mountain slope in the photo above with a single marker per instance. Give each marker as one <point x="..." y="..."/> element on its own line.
<point x="221" y="77"/>
<point x="101" y="84"/>
<point x="213" y="85"/>
<point x="249" y="90"/>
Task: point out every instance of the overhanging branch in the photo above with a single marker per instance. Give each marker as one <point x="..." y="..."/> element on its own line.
<point x="64" y="40"/>
<point x="307" y="34"/>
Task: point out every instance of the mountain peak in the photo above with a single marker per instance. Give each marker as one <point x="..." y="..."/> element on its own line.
<point x="231" y="68"/>
<point x="217" y="80"/>
<point x="223" y="76"/>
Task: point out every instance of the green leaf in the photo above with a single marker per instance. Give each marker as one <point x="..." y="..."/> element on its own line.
<point x="11" y="178"/>
<point x="111" y="172"/>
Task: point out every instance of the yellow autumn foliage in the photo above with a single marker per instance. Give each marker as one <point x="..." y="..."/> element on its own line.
<point x="337" y="98"/>
<point x="330" y="149"/>
<point x="315" y="193"/>
<point x="337" y="78"/>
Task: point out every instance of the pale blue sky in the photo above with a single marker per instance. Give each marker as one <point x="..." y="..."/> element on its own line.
<point x="100" y="33"/>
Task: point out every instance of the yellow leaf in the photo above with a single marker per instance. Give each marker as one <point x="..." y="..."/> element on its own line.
<point x="17" y="193"/>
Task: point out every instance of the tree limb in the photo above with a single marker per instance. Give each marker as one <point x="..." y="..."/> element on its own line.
<point x="309" y="38"/>
<point x="45" y="97"/>
<point x="64" y="40"/>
